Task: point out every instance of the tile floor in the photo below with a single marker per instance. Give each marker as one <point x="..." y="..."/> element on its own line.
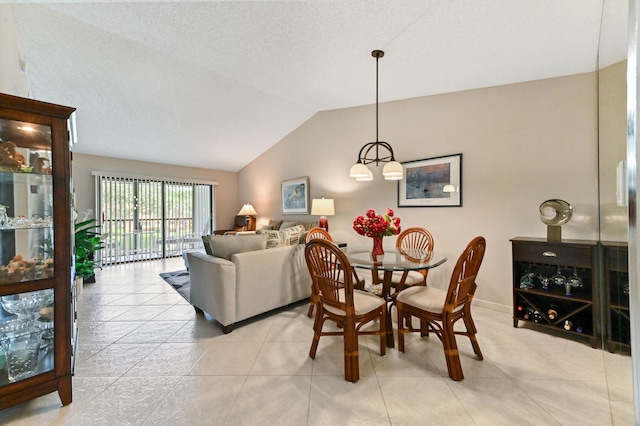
<point x="146" y="358"/>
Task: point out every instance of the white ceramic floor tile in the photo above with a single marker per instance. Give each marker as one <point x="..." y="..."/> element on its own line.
<point x="568" y="402"/>
<point x="202" y="400"/>
<point x="499" y="402"/>
<point x="283" y="359"/>
<point x="272" y="400"/>
<point x="223" y="359"/>
<point x="142" y="313"/>
<point x="153" y="332"/>
<point x="169" y="359"/>
<point x="334" y="401"/>
<point x="422" y="401"/>
<point x="114" y="360"/>
<point x="126" y="401"/>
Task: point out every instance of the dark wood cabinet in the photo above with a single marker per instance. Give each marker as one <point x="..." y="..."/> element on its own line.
<point x="555" y="286"/>
<point x="616" y="294"/>
<point x="37" y="319"/>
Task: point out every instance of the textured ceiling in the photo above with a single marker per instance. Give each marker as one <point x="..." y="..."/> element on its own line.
<point x="215" y="84"/>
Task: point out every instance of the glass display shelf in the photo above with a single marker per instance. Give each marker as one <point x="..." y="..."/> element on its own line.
<point x="26" y="335"/>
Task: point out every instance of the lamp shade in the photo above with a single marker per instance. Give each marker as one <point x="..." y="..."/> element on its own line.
<point x="368" y="177"/>
<point x="392" y="171"/>
<point x="359" y="170"/>
<point x="322" y="207"/>
<point x="247" y="210"/>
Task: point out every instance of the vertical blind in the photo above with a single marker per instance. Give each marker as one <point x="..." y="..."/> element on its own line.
<point x="146" y="218"/>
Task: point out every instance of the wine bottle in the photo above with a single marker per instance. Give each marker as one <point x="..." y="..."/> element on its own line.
<point x="527" y="313"/>
<point x="537" y="316"/>
<point x="552" y="311"/>
<point x="568" y="325"/>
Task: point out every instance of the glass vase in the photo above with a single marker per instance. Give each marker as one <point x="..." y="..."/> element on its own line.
<point x="377" y="246"/>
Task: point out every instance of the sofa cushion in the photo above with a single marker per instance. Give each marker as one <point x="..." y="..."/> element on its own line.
<point x="226" y="245"/>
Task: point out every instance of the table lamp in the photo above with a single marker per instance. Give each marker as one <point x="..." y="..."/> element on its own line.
<point x="246" y="211"/>
<point x="323" y="208"/>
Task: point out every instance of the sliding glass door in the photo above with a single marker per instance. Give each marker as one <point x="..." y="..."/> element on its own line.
<point x="143" y="218"/>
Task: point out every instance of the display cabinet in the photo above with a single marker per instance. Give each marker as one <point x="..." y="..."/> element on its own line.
<point x="616" y="281"/>
<point x="37" y="319"/>
<point x="555" y="286"/>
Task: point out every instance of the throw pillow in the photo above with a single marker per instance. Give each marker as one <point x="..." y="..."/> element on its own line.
<point x="286" y="225"/>
<point x="291" y="235"/>
<point x="266" y="228"/>
<point x="226" y="245"/>
<point x="275" y="224"/>
<point x="273" y="238"/>
<point x="207" y="245"/>
<point x="309" y="225"/>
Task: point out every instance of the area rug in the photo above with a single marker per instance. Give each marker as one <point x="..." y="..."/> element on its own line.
<point x="179" y="280"/>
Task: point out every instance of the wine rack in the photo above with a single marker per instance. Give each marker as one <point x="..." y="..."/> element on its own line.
<point x="616" y="279"/>
<point x="555" y="286"/>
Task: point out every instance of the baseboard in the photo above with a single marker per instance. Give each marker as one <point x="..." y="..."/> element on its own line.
<point x="493" y="306"/>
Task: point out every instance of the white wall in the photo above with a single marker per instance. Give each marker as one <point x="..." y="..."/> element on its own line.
<point x="521" y="144"/>
<point x="12" y="79"/>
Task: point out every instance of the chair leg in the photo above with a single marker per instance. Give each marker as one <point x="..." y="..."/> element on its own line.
<point x="312" y="303"/>
<point x="383" y="331"/>
<point x="401" y="325"/>
<point x="317" y="330"/>
<point x="451" y="351"/>
<point x="424" y="328"/>
<point x="471" y="332"/>
<point x="351" y="364"/>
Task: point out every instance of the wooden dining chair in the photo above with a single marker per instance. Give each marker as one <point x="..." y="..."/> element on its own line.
<point x="312" y="234"/>
<point x="321" y="233"/>
<point x="413" y="239"/>
<point x="333" y="281"/>
<point x="438" y="310"/>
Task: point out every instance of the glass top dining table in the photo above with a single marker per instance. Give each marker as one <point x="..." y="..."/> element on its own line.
<point x="393" y="260"/>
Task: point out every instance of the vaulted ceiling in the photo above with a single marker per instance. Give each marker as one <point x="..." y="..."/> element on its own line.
<point x="214" y="84"/>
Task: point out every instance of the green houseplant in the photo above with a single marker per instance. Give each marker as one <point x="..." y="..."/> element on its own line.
<point x="87" y="241"/>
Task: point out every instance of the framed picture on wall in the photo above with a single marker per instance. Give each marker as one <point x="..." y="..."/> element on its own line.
<point x="295" y="196"/>
<point x="432" y="182"/>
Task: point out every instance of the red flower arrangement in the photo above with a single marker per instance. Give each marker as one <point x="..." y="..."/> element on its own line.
<point x="376" y="225"/>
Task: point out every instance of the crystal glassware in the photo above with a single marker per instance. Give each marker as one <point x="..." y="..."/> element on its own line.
<point x="527" y="281"/>
<point x="574" y="281"/>
<point x="559" y="279"/>
<point x="545" y="281"/>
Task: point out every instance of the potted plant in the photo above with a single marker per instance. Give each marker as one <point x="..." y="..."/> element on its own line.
<point x="88" y="241"/>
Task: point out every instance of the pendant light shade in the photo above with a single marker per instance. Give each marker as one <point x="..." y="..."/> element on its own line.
<point x="369" y="176"/>
<point x="392" y="171"/>
<point x="359" y="170"/>
<point x="378" y="151"/>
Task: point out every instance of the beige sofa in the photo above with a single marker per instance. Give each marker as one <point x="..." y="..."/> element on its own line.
<point x="247" y="283"/>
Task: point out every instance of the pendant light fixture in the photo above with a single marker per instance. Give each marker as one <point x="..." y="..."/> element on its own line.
<point x="392" y="170"/>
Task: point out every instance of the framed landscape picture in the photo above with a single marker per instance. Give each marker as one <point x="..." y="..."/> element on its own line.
<point x="295" y="196"/>
<point x="433" y="182"/>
